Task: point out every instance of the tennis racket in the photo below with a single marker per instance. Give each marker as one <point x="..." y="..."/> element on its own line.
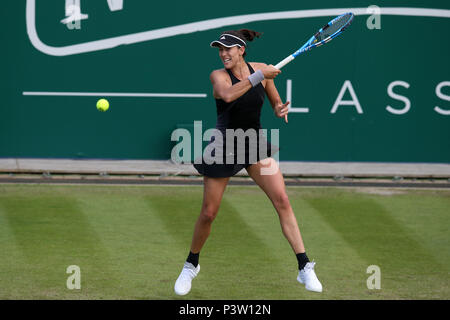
<point x="330" y="31"/>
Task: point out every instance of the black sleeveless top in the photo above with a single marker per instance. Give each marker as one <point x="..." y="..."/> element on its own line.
<point x="244" y="112"/>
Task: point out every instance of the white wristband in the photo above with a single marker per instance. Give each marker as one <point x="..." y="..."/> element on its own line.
<point x="256" y="77"/>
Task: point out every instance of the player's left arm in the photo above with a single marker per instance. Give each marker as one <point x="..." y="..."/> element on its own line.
<point x="280" y="109"/>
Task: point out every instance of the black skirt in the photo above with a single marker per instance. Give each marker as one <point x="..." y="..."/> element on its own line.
<point x="221" y="159"/>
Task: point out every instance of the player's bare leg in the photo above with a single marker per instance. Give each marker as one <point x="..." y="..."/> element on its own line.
<point x="273" y="185"/>
<point x="212" y="196"/>
<point x="268" y="177"/>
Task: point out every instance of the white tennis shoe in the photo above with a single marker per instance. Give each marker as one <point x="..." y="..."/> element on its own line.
<point x="308" y="277"/>
<point x="183" y="283"/>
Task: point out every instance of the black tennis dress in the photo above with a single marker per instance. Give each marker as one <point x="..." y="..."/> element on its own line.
<point x="226" y="154"/>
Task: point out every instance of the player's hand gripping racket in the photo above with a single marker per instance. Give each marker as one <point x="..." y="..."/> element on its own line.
<point x="330" y="31"/>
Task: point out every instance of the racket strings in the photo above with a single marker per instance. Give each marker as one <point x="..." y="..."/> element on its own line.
<point x="333" y="27"/>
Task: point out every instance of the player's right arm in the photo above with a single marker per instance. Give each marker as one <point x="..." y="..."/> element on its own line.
<point x="225" y="90"/>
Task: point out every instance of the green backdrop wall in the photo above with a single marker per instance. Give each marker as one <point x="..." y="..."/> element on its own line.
<point x="371" y="95"/>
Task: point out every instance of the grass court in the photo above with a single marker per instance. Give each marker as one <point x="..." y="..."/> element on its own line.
<point x="130" y="242"/>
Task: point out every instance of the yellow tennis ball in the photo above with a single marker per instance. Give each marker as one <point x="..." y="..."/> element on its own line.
<point x="102" y="105"/>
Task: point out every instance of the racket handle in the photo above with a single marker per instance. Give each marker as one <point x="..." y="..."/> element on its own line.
<point x="281" y="64"/>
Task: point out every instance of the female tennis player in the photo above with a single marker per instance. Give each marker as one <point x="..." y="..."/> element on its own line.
<point x="239" y="90"/>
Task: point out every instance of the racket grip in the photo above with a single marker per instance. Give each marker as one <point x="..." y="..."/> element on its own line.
<point x="284" y="62"/>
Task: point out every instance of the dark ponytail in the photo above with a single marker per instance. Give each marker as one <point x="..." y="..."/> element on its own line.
<point x="249" y="35"/>
<point x="245" y="34"/>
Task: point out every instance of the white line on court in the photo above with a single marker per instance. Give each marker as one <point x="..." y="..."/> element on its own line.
<point x="115" y="94"/>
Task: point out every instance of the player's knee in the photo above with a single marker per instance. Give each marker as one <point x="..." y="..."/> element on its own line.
<point x="209" y="212"/>
<point x="281" y="201"/>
